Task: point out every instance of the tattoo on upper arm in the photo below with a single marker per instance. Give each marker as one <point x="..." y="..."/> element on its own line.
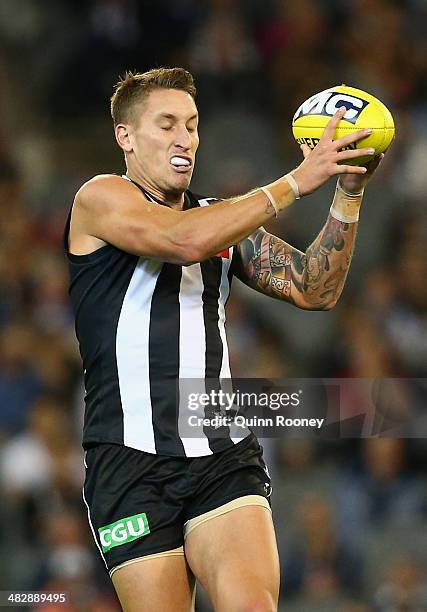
<point x="274" y="267"/>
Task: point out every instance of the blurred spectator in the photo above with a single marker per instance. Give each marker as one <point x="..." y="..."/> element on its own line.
<point x="223" y="56"/>
<point x="44" y="459"/>
<point x="20" y="384"/>
<point x="40" y="469"/>
<point x="69" y="565"/>
<point x="300" y="470"/>
<point x="404" y="587"/>
<point x="382" y="494"/>
<point x="315" y="563"/>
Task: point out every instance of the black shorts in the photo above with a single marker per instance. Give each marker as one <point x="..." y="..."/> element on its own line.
<point x="138" y="503"/>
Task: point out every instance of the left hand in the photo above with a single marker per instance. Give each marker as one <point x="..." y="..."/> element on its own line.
<point x="356" y="182"/>
<point x="353" y="182"/>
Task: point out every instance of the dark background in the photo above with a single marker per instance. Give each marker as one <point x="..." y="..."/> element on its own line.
<point x="350" y="515"/>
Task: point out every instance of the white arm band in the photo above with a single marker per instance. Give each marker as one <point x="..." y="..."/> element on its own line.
<point x="271" y="199"/>
<point x="294" y="185"/>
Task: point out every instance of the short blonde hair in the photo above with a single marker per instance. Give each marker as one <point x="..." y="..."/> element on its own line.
<point x="134" y="87"/>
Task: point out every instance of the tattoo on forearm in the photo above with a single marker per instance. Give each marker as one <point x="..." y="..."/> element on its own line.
<point x="316" y="277"/>
<point x="268" y="263"/>
<point x="327" y="262"/>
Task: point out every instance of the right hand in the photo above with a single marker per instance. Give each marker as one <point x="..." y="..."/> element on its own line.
<point x="322" y="162"/>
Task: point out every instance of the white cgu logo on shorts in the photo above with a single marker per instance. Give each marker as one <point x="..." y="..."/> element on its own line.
<point x="124" y="530"/>
<point x="328" y="102"/>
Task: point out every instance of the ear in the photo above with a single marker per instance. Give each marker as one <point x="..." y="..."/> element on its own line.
<point x="123" y="137"/>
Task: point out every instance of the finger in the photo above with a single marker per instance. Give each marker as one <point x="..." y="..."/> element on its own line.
<point x="374" y="163"/>
<point x="329" y="131"/>
<point x="305" y="150"/>
<point x="353" y="153"/>
<point x="350" y="170"/>
<point x="344" y="141"/>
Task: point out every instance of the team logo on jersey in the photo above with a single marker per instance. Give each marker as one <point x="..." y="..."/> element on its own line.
<point x="328" y="102"/>
<point x="123" y="531"/>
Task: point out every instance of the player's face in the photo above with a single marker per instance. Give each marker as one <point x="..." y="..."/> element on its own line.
<point x="165" y="140"/>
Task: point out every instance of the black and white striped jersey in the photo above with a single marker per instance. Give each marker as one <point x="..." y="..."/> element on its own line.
<point x="143" y="325"/>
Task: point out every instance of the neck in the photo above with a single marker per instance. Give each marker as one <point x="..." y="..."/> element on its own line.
<point x="174" y="199"/>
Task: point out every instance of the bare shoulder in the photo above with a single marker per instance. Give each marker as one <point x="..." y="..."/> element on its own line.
<point x="95" y="205"/>
<point x="102" y="188"/>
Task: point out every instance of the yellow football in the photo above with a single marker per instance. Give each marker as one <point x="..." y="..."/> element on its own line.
<point x="363" y="111"/>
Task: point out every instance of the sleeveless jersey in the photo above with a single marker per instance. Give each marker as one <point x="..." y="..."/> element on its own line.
<point x="144" y="325"/>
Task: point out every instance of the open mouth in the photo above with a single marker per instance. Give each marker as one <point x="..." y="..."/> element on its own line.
<point x="180" y="163"/>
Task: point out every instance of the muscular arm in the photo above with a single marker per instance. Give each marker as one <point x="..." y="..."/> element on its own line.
<point x="113" y="210"/>
<point x="108" y="209"/>
<point x="312" y="280"/>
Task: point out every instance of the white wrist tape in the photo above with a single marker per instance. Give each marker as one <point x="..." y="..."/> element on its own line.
<point x="346" y="206"/>
<point x="294" y="185"/>
<point x="271" y="199"/>
<point x="341" y="217"/>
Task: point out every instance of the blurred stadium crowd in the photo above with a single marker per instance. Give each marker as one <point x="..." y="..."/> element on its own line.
<point x="351" y="515"/>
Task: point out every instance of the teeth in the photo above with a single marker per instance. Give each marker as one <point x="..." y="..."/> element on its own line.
<point x="180" y="161"/>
